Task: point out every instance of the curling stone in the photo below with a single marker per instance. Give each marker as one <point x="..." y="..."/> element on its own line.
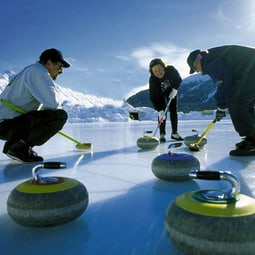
<point x="188" y="140"/>
<point x="47" y="201"/>
<point x="147" y="141"/>
<point x="174" y="166"/>
<point x="213" y="221"/>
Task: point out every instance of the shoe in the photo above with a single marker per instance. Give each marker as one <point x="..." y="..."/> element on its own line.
<point x="176" y="137"/>
<point x="162" y="139"/>
<point x="22" y="152"/>
<point x="6" y="147"/>
<point x="242" y="143"/>
<point x="245" y="148"/>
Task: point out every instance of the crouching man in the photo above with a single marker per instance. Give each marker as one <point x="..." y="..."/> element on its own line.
<point x="34" y="92"/>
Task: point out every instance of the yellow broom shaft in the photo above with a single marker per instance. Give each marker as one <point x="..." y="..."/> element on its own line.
<point x="205" y="132"/>
<point x="18" y="109"/>
<point x="69" y="137"/>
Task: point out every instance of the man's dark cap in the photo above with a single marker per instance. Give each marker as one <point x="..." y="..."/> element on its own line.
<point x="54" y="55"/>
<point x="191" y="59"/>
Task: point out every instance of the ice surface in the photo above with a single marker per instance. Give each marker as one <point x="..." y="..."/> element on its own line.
<point x="127" y="202"/>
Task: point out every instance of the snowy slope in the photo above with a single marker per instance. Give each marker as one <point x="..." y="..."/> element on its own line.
<point x="90" y="108"/>
<point x="83" y="107"/>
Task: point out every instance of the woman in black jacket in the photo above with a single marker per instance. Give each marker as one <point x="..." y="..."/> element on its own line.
<point x="164" y="82"/>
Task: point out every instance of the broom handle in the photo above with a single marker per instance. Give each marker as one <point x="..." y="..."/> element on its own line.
<point x="160" y="122"/>
<point x="18" y="109"/>
<point x="205" y="132"/>
<point x="12" y="106"/>
<point x="69" y="137"/>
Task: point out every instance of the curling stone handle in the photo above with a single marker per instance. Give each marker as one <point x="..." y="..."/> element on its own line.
<point x="147" y="133"/>
<point x="206" y="175"/>
<point x="46" y="165"/>
<point x="172" y="146"/>
<point x="54" y="165"/>
<point x="219" y="175"/>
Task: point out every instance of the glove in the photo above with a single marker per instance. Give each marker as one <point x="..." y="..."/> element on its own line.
<point x="173" y="94"/>
<point x="220" y="114"/>
<point x="161" y="115"/>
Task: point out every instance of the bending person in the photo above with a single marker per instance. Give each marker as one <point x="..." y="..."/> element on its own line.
<point x="231" y="67"/>
<point x="34" y="91"/>
<point x="164" y="82"/>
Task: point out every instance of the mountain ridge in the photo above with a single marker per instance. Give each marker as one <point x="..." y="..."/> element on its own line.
<point x="83" y="107"/>
<point x="196" y="93"/>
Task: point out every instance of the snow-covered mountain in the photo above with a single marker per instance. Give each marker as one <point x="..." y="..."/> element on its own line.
<point x="83" y="107"/>
<point x="90" y="108"/>
<point x="196" y="93"/>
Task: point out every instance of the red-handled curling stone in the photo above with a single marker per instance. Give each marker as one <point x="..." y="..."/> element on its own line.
<point x="47" y="201"/>
<point x="148" y="141"/>
<point x="188" y="140"/>
<point x="174" y="166"/>
<point x="213" y="221"/>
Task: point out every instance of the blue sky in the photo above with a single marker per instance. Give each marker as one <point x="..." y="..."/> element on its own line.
<point x="110" y="43"/>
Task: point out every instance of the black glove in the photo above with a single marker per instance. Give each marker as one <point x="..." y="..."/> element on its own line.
<point x="220" y="114"/>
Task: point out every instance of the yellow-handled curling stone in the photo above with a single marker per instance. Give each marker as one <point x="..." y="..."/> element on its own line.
<point x="174" y="166"/>
<point x="47" y="201"/>
<point x="188" y="140"/>
<point x="148" y="141"/>
<point x="214" y="222"/>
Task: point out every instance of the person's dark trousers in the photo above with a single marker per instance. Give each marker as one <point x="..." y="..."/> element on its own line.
<point x="173" y="118"/>
<point x="34" y="128"/>
<point x="174" y="122"/>
<point x="162" y="128"/>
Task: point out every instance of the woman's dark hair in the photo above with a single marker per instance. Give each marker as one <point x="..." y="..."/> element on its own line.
<point x="156" y="61"/>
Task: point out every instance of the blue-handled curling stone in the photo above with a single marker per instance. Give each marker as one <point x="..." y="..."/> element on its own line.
<point x="47" y="201"/>
<point x="213" y="221"/>
<point x="174" y="166"/>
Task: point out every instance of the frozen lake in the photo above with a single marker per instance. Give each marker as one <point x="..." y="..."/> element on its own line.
<point x="127" y="203"/>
